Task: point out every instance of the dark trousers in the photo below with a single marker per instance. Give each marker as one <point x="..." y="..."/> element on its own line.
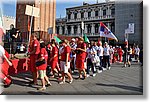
<point x="106" y="61"/>
<point x="73" y="64"/>
<point x="101" y="62"/>
<point x="90" y="64"/>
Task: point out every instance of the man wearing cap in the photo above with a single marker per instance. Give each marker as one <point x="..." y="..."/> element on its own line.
<point x="73" y="48"/>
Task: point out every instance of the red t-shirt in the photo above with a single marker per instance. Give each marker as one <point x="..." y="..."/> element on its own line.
<point x="120" y="51"/>
<point x="82" y="46"/>
<point x="54" y="51"/>
<point x="64" y="52"/>
<point x="43" y="54"/>
<point x="36" y="44"/>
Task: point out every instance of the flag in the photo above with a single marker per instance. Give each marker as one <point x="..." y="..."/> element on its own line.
<point x="82" y="24"/>
<point x="86" y="39"/>
<point x="105" y="32"/>
<point x="28" y="23"/>
<point x="57" y="39"/>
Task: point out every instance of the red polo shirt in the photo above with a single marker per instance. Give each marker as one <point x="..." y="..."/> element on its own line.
<point x="64" y="52"/>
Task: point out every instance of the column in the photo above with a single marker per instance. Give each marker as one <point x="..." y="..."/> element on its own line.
<point x="79" y="30"/>
<point x="72" y="16"/>
<point x="60" y="29"/>
<point x="66" y="31"/>
<point x="93" y="29"/>
<point x="85" y="30"/>
<point x="72" y="30"/>
<point x="100" y="12"/>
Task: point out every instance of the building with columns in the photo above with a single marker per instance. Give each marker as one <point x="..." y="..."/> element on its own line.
<point x="91" y="15"/>
<point x="115" y="15"/>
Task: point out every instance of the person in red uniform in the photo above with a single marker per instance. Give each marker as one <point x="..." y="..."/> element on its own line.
<point x="81" y="55"/>
<point x="65" y="62"/>
<point x="120" y="53"/>
<point x="4" y="66"/>
<point x="42" y="68"/>
<point x="54" y="58"/>
<point x="34" y="51"/>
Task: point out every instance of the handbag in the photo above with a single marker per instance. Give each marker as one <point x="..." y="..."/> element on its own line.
<point x="39" y="63"/>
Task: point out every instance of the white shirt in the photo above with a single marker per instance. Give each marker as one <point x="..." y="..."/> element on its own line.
<point x="111" y="51"/>
<point x="137" y="51"/>
<point x="106" y="51"/>
<point x="2" y="51"/>
<point x="22" y="48"/>
<point x="100" y="51"/>
<point x="89" y="51"/>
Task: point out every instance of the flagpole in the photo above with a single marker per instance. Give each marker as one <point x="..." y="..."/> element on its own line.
<point x="30" y="32"/>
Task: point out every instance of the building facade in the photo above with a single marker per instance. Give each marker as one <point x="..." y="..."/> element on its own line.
<point x="91" y="15"/>
<point x="115" y="15"/>
<point x="7" y="21"/>
<point x="45" y="20"/>
<point x="126" y="13"/>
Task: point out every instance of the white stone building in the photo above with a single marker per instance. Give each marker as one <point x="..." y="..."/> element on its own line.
<point x="91" y="15"/>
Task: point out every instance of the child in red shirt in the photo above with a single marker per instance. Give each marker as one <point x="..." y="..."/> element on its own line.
<point x="43" y="55"/>
<point x="54" y="58"/>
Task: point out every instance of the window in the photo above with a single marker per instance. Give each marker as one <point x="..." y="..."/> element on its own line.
<point x="69" y="16"/>
<point x="82" y="14"/>
<point x="75" y="16"/>
<point x="89" y="29"/>
<point x="18" y="19"/>
<point x="89" y="14"/>
<point x="113" y="11"/>
<point x="96" y="13"/>
<point x="104" y="12"/>
<point x="96" y="28"/>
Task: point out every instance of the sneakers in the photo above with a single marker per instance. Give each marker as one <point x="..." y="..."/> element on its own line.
<point x="87" y="75"/>
<point x="62" y="82"/>
<point x="49" y="84"/>
<point x="70" y="81"/>
<point x="104" y="69"/>
<point x="41" y="88"/>
<point x="99" y="71"/>
<point x="108" y="68"/>
<point x="94" y="75"/>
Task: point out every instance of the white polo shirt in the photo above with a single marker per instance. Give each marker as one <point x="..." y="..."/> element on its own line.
<point x="106" y="51"/>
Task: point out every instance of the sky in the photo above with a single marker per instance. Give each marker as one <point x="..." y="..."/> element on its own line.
<point x="9" y="6"/>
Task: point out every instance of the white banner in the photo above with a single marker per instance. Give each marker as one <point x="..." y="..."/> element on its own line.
<point x="32" y="11"/>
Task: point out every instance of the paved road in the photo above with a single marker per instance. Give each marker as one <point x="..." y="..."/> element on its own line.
<point x="117" y="80"/>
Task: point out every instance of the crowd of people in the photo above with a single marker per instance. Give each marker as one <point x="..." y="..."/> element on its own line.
<point x="63" y="59"/>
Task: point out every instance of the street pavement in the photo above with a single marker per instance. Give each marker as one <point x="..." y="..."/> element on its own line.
<point x="116" y="81"/>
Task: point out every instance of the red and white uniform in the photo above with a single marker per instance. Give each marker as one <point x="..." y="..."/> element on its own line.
<point x="63" y="54"/>
<point x="43" y="54"/>
<point x="34" y="57"/>
<point x="80" y="58"/>
<point x="54" y="61"/>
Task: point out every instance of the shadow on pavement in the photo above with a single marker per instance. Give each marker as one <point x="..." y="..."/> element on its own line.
<point x="138" y="89"/>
